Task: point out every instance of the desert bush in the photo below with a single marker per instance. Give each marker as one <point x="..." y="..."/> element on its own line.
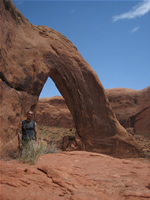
<point x="31" y="152"/>
<point x="52" y="148"/>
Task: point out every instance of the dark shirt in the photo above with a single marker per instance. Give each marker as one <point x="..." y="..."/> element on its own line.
<point x="28" y="130"/>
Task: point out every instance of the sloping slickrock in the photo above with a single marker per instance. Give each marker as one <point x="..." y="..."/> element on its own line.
<point x="28" y="56"/>
<point x="76" y="176"/>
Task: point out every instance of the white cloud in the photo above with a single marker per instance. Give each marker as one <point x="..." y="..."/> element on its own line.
<point x="137" y="11"/>
<point x="135" y="29"/>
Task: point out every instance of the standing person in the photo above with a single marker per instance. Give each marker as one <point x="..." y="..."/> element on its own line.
<point x="28" y="128"/>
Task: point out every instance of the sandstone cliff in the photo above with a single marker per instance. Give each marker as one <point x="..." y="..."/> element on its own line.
<point x="53" y="112"/>
<point x="132" y="108"/>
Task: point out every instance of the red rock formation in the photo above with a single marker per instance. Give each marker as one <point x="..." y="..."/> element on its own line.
<point x="13" y="104"/>
<point x="132" y="107"/>
<point x="76" y="176"/>
<point x="29" y="54"/>
<point x="53" y="112"/>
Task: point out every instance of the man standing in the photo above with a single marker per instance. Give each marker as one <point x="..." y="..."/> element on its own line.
<point x="28" y="128"/>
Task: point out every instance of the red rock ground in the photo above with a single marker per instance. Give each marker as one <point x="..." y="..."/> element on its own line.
<point x="76" y="176"/>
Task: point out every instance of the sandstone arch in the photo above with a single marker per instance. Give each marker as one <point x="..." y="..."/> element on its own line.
<point x="29" y="54"/>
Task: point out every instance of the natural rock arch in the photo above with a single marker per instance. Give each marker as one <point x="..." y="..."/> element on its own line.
<point x="29" y="54"/>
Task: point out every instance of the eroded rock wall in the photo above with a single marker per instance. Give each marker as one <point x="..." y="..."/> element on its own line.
<point x="53" y="112"/>
<point x="132" y="108"/>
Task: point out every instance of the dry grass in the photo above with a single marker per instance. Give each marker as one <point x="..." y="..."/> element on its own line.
<point x="54" y="135"/>
<point x="49" y="141"/>
<point x="144" y="142"/>
<point x="31" y="152"/>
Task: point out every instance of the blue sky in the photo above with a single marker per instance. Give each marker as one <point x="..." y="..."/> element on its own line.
<point x="112" y="36"/>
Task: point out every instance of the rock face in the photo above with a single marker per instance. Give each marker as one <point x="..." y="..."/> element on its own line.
<point x="132" y="108"/>
<point x="75" y="176"/>
<point x="53" y="112"/>
<point x="28" y="56"/>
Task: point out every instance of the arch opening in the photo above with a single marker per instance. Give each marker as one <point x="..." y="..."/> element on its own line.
<point x="49" y="89"/>
<point x="54" y="119"/>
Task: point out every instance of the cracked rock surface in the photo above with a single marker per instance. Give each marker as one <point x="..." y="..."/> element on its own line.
<point x="76" y="176"/>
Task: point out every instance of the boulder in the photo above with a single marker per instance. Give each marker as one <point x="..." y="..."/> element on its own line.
<point x="28" y="56"/>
